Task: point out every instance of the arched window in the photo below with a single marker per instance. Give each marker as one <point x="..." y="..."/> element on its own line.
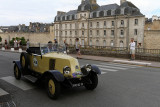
<point x="121" y="44"/>
<point x="104" y="43"/>
<point x="90" y="43"/>
<point x="112" y="43"/>
<point x="97" y="42"/>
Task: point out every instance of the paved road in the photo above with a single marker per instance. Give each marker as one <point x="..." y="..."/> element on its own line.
<point x="120" y="85"/>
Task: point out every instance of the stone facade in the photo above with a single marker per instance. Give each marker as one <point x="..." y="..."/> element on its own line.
<point x="152" y="39"/>
<point x="108" y="25"/>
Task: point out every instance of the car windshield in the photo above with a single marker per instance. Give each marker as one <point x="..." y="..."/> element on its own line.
<point x="50" y="47"/>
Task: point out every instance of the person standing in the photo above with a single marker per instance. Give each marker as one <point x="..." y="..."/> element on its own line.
<point x="132" y="49"/>
<point x="28" y="43"/>
<point x="66" y="45"/>
<point x="15" y="44"/>
<point x="78" y="45"/>
<point x="55" y="46"/>
<point x="6" y="44"/>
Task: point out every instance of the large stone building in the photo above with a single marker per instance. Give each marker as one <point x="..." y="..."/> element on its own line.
<point x="107" y="25"/>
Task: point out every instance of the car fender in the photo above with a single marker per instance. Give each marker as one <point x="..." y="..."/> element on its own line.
<point x="96" y="69"/>
<point x="56" y="74"/>
<point x="18" y="64"/>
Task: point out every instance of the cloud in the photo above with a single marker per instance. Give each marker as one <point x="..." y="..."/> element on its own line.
<point x="14" y="12"/>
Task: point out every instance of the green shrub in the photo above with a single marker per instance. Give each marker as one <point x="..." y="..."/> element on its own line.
<point x="23" y="41"/>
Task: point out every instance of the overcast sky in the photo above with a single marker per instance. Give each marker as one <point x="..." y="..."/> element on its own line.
<point x="14" y="12"/>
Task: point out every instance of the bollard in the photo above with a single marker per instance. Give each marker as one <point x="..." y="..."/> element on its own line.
<point x="3" y="48"/>
<point x="12" y="49"/>
<point x="20" y="50"/>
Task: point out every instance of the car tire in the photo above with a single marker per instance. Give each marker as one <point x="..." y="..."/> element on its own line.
<point x="17" y="72"/>
<point x="24" y="61"/>
<point x="53" y="87"/>
<point x="93" y="78"/>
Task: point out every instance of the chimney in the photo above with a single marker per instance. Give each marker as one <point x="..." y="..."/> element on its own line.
<point x="122" y="1"/>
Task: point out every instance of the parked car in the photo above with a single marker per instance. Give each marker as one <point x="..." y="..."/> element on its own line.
<point x="55" y="69"/>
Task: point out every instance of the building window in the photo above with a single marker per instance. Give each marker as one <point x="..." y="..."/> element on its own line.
<point x="97" y="32"/>
<point x="104" y="43"/>
<point x="82" y="42"/>
<point x="121" y="44"/>
<point x="112" y="32"/>
<point x="70" y="32"/>
<point x="136" y="21"/>
<point x="82" y="24"/>
<point x="70" y="41"/>
<point x="97" y="24"/>
<point x="82" y="32"/>
<point x="122" y="22"/>
<point x="90" y="24"/>
<point x="80" y="15"/>
<point x="90" y="43"/>
<point x="112" y="43"/>
<point x="112" y="23"/>
<point x="90" y="32"/>
<point x="135" y="32"/>
<point x="84" y="14"/>
<point x="104" y="32"/>
<point x="66" y="33"/>
<point x="66" y="26"/>
<point x="104" y="23"/>
<point x="61" y="32"/>
<point x="122" y="32"/>
<point x="70" y="26"/>
<point x="97" y="42"/>
<point x="75" y="32"/>
<point x="56" y="33"/>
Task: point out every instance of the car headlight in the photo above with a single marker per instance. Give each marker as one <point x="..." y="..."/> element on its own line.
<point x="67" y="70"/>
<point x="88" y="68"/>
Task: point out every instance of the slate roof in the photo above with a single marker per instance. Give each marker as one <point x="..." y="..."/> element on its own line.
<point x="128" y="7"/>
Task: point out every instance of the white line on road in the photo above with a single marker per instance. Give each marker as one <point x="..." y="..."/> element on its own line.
<point x="121" y="65"/>
<point x="111" y="70"/>
<point x="111" y="67"/>
<point x="18" y="83"/>
<point x="103" y="73"/>
<point x="2" y="92"/>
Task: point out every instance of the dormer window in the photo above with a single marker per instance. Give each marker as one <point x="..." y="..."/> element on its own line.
<point x="113" y="12"/>
<point x="91" y="15"/>
<point x="65" y="17"/>
<point x="70" y="17"/>
<point x="122" y="10"/>
<point x="98" y="14"/>
<point x="75" y="16"/>
<point x="105" y="12"/>
<point x="82" y="8"/>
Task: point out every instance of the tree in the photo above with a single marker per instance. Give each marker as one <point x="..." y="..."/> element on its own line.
<point x="23" y="40"/>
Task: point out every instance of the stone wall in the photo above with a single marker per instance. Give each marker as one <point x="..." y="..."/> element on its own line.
<point x="33" y="37"/>
<point x="152" y="39"/>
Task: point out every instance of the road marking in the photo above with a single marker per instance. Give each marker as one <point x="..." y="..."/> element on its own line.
<point x="132" y="62"/>
<point x="103" y="73"/>
<point x="111" y="67"/>
<point x="121" y="65"/>
<point x="111" y="70"/>
<point x="18" y="83"/>
<point x="2" y="92"/>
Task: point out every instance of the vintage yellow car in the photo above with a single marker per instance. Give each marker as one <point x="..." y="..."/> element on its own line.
<point x="55" y="68"/>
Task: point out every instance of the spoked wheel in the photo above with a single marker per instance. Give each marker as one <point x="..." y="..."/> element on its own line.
<point x="17" y="72"/>
<point x="53" y="88"/>
<point x="93" y="81"/>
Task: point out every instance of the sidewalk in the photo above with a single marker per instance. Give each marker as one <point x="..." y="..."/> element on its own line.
<point x="111" y="59"/>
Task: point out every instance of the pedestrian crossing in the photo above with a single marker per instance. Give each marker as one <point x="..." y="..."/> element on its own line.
<point x="113" y="67"/>
<point x="104" y="67"/>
